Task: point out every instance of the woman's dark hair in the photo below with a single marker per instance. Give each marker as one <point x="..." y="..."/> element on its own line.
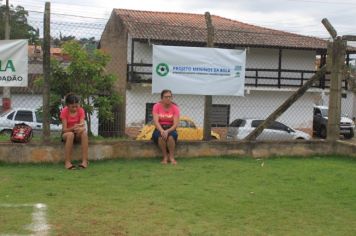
<point x="165" y="91"/>
<point x="71" y="98"/>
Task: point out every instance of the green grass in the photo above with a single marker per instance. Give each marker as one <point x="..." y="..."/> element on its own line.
<point x="205" y="196"/>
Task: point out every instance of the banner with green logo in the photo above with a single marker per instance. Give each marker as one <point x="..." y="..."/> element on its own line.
<point x="200" y="71"/>
<point x="13" y="63"/>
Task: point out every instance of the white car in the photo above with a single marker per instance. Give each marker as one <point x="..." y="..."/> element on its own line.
<point x="28" y="116"/>
<point x="240" y="128"/>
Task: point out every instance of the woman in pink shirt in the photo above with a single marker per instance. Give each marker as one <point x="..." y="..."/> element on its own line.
<point x="166" y="119"/>
<point x="73" y="129"/>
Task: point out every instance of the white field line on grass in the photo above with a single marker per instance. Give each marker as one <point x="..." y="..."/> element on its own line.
<point x="39" y="225"/>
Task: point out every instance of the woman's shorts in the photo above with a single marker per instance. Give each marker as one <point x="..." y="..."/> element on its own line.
<point x="156" y="134"/>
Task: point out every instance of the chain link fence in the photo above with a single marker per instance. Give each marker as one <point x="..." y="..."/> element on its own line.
<point x="272" y="75"/>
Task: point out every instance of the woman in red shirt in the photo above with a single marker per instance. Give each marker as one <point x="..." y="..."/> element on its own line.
<point x="166" y="118"/>
<point x="73" y="129"/>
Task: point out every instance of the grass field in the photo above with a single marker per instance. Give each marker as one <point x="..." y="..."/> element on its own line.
<point x="205" y="196"/>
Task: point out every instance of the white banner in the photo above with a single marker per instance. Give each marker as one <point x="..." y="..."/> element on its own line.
<point x="13" y="63"/>
<point x="200" y="71"/>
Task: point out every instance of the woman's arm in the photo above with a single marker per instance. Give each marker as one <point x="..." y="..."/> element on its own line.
<point x="175" y="124"/>
<point x="64" y="127"/>
<point x="156" y="122"/>
<point x="80" y="127"/>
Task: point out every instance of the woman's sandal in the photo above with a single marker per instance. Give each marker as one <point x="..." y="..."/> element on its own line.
<point x="72" y="167"/>
<point x="81" y="166"/>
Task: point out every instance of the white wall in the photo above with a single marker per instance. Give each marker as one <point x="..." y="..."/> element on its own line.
<point x="143" y="52"/>
<point x="257" y="104"/>
<point x="26" y="101"/>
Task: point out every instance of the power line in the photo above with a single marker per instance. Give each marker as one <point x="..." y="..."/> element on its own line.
<point x="62" y="14"/>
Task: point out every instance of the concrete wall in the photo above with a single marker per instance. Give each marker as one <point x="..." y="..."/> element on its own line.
<point x="54" y="153"/>
<point x="114" y="41"/>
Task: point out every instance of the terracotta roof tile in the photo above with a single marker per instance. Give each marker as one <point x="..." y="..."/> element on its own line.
<point x="187" y="27"/>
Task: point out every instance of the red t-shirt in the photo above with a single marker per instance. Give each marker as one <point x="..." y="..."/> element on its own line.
<point x="72" y="119"/>
<point x="165" y="116"/>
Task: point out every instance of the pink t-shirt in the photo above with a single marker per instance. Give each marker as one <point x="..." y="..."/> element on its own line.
<point x="72" y="120"/>
<point x="165" y="116"/>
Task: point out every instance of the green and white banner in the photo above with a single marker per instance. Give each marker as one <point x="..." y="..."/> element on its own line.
<point x="13" y="63"/>
<point x="200" y="71"/>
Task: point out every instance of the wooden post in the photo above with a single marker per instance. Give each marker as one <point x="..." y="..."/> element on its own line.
<point x="289" y="102"/>
<point x="337" y="55"/>
<point x="208" y="99"/>
<point x="329" y="28"/>
<point x="46" y="72"/>
<point x="336" y="64"/>
<point x="6" y="94"/>
<point x="279" y="67"/>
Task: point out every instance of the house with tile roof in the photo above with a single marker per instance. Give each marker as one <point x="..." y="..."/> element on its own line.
<point x="277" y="63"/>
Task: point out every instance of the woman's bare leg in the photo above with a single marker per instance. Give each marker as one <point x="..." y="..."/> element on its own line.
<point x="163" y="146"/>
<point x="84" y="143"/>
<point x="68" y="139"/>
<point x="82" y="137"/>
<point x="171" y="147"/>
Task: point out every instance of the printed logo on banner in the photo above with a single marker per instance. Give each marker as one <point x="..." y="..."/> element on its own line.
<point x="13" y="63"/>
<point x="162" y="69"/>
<point x="238" y="69"/>
<point x="198" y="71"/>
<point x="5" y="65"/>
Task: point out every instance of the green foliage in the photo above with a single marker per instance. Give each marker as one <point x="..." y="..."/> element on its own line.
<point x="19" y="27"/>
<point x="85" y="76"/>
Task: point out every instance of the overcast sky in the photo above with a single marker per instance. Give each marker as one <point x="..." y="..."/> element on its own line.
<point x="297" y="16"/>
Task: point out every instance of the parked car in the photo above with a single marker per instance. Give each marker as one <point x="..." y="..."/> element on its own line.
<point x="28" y="116"/>
<point x="187" y="130"/>
<point x="320" y="123"/>
<point x="240" y="128"/>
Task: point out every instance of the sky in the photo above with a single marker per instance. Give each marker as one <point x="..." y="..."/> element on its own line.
<point x="296" y="16"/>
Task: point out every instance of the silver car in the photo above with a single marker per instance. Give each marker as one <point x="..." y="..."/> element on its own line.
<point x="240" y="128"/>
<point x="28" y="116"/>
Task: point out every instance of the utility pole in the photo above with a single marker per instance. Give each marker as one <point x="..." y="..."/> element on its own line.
<point x="6" y="93"/>
<point x="46" y="71"/>
<point x="208" y="99"/>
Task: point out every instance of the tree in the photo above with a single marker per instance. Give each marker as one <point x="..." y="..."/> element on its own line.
<point x="85" y="76"/>
<point x="19" y="27"/>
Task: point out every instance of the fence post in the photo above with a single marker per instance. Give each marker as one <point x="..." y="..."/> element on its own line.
<point x="208" y="99"/>
<point x="336" y="54"/>
<point x="337" y="74"/>
<point x="46" y="72"/>
<point x="6" y="94"/>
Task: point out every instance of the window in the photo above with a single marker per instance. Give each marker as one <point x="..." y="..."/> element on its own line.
<point x="238" y="123"/>
<point x="256" y="123"/>
<point x="183" y="124"/>
<point x="317" y="111"/>
<point x="148" y="116"/>
<point x="11" y="116"/>
<point x="191" y="124"/>
<point x="220" y="115"/>
<point x="278" y="126"/>
<point x="24" y="116"/>
<point x="39" y="117"/>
